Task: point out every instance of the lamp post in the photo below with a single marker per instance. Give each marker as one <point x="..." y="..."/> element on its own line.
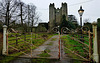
<point x="80" y="11"/>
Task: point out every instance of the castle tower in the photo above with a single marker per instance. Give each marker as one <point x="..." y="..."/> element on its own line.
<point x="64" y="10"/>
<point x="55" y="15"/>
<point x="51" y="15"/>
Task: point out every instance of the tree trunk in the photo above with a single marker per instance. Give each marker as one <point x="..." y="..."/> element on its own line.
<point x="21" y="15"/>
<point x="7" y="14"/>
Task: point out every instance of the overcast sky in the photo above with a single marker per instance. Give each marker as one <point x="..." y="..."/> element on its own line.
<point x="91" y="7"/>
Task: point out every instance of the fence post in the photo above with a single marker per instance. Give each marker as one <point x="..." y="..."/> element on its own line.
<point x="95" y="44"/>
<point x="90" y="45"/>
<point x="4" y="51"/>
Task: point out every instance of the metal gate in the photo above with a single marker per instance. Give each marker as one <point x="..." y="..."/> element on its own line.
<point x="79" y="43"/>
<point x="32" y="45"/>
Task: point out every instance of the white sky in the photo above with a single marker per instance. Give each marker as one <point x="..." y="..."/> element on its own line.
<point x="91" y="7"/>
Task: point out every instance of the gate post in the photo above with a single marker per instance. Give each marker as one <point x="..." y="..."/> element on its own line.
<point x="95" y="44"/>
<point x="4" y="51"/>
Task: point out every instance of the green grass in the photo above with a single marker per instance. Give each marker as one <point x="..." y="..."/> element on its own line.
<point x="86" y="38"/>
<point x="45" y="53"/>
<point x="69" y="43"/>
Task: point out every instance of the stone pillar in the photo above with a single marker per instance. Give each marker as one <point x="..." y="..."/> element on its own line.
<point x="4" y="52"/>
<point x="95" y="43"/>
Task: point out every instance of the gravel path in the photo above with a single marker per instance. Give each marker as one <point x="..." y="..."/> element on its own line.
<point x="51" y="44"/>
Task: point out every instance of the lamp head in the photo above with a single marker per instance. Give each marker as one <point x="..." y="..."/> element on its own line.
<point x="80" y="11"/>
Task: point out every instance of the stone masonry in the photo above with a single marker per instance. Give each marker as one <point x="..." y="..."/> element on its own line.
<point x="55" y="15"/>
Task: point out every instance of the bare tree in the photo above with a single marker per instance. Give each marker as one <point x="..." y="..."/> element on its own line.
<point x="7" y="9"/>
<point x="32" y="13"/>
<point x="16" y="11"/>
<point x="23" y="12"/>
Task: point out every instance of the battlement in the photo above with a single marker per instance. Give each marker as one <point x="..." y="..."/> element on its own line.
<point x="52" y="5"/>
<point x="64" y="3"/>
